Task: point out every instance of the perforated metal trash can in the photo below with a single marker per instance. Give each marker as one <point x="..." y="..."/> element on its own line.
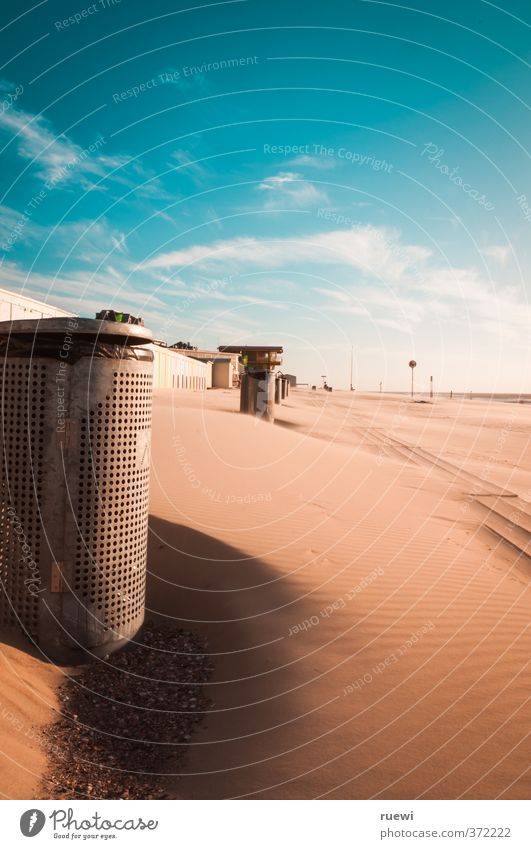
<point x="75" y="458"/>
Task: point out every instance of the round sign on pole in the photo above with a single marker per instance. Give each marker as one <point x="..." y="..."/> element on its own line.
<point x="412" y="365"/>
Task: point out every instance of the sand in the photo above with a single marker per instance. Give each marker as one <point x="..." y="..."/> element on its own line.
<point x="368" y="632"/>
<point x="28" y="702"/>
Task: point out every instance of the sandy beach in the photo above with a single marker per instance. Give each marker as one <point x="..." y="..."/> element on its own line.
<point x="368" y="631"/>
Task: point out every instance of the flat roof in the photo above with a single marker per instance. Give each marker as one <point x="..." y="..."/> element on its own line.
<point x="240" y="349"/>
<point x="210" y="353"/>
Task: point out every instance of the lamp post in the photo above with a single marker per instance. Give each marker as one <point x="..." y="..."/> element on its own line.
<point x="412" y="365"/>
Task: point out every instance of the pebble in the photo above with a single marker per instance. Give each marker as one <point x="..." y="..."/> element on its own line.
<point x="123" y="711"/>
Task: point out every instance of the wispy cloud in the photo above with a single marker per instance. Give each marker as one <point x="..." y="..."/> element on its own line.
<point x="368" y="249"/>
<point x="500" y="253"/>
<point x="290" y="188"/>
<point x="61" y="162"/>
<point x="406" y="280"/>
<point x="322" y="163"/>
<point x="55" y="158"/>
<point x="189" y="167"/>
<point x="82" y="294"/>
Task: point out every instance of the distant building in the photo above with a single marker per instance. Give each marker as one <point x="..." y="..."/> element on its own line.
<point x="14" y="307"/>
<point x="172" y="369"/>
<point x="226" y="368"/>
<point x="292" y="380"/>
<point x="175" y="369"/>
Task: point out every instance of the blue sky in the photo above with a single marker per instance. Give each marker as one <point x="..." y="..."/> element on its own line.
<point x="319" y="175"/>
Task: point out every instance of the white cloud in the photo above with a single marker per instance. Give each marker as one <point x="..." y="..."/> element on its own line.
<point x="83" y="294"/>
<point x="500" y="253"/>
<point x="290" y="188"/>
<point x="410" y="284"/>
<point x="60" y="162"/>
<point x="324" y="163"/>
<point x="335" y="294"/>
<point x="368" y="249"/>
<point x="55" y="157"/>
<point x="190" y="168"/>
<point x="276" y="182"/>
<point x="119" y="242"/>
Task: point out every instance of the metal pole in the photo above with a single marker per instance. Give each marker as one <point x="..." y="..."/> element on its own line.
<point x="412" y="365"/>
<point x="431" y="386"/>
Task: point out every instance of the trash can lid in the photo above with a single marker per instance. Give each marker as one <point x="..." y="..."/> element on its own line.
<point x="59" y="326"/>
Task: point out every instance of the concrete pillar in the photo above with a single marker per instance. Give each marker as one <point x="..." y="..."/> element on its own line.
<point x="278" y="390"/>
<point x="283" y="384"/>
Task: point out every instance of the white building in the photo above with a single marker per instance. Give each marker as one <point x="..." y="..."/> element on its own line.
<point x="225" y="367"/>
<point x="171" y="368"/>
<point x="14" y="307"/>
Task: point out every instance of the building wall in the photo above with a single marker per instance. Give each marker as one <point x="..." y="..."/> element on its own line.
<point x="222" y="378"/>
<point x="222" y="371"/>
<point x="171" y="370"/>
<point x="14" y="307"/>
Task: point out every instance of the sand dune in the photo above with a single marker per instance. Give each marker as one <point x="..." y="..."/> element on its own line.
<point x="369" y="636"/>
<point x="368" y="632"/>
<point x="27" y="704"/>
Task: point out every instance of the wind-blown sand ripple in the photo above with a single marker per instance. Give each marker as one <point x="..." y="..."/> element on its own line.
<point x="395" y="638"/>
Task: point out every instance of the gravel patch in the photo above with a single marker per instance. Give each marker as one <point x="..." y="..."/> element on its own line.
<point x="125" y="719"/>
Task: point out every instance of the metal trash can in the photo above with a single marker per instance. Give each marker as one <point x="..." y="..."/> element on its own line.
<point x="75" y="460"/>
<point x="257" y="395"/>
